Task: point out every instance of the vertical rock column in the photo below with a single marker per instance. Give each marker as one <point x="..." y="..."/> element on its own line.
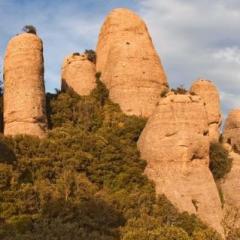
<point x="231" y="183"/>
<point x="78" y="74"/>
<point x="176" y="147"/>
<point x="24" y="91"/>
<point x="128" y="61"/>
<point x="210" y="95"/>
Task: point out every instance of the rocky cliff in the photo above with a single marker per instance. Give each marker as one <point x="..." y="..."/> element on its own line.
<point x="231" y="183"/>
<point x="130" y="66"/>
<point x="78" y="74"/>
<point x="176" y="147"/>
<point x="210" y="95"/>
<point x="24" y="93"/>
<point x="231" y="132"/>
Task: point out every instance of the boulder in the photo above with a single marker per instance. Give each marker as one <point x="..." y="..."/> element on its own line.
<point x="78" y="74"/>
<point x="231" y="184"/>
<point x="175" y="145"/>
<point x="231" y="132"/>
<point x="24" y="91"/>
<point x="230" y="187"/>
<point x="210" y="95"/>
<point x="129" y="64"/>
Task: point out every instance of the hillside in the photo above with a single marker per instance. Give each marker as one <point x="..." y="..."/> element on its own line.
<point x="85" y="180"/>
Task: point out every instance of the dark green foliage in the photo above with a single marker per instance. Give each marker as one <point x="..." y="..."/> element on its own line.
<point x="179" y="90"/>
<point x="76" y="54"/>
<point x="220" y="162"/>
<point x="91" y="55"/>
<point x="164" y="92"/>
<point x="30" y="29"/>
<point x="85" y="180"/>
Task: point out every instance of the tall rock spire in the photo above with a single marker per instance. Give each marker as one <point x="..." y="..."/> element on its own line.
<point x="24" y="91"/>
<point x="175" y="145"/>
<point x="78" y="74"/>
<point x="210" y="95"/>
<point x="128" y="61"/>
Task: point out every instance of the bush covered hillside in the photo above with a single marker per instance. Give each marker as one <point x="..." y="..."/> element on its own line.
<point x="85" y="180"/>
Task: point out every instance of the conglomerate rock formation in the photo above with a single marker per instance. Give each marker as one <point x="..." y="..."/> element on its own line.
<point x="78" y="74"/>
<point x="176" y="147"/>
<point x="231" y="132"/>
<point x="130" y="66"/>
<point x="210" y="95"/>
<point x="24" y="91"/>
<point x="231" y="183"/>
<point x="230" y="187"/>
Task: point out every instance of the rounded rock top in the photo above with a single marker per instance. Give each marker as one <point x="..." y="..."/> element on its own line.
<point x="201" y="83"/>
<point x="25" y="40"/>
<point x="123" y="19"/>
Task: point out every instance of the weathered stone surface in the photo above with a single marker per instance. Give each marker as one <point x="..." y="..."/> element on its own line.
<point x="210" y="95"/>
<point x="230" y="187"/>
<point x="231" y="133"/>
<point x="78" y="74"/>
<point x="231" y="183"/>
<point x="130" y="66"/>
<point x="176" y="147"/>
<point x="24" y="91"/>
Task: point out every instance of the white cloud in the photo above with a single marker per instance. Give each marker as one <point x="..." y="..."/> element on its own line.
<point x="228" y="54"/>
<point x="198" y="39"/>
<point x="64" y="28"/>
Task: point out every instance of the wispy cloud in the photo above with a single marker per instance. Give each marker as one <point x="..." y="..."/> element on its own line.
<point x="198" y="39"/>
<point x="64" y="26"/>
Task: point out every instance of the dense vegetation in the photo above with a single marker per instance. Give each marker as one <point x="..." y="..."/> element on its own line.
<point x="220" y="162"/>
<point x="30" y="29"/>
<point x="85" y="180"/>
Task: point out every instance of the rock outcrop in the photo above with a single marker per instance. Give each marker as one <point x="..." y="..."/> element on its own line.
<point x="78" y="74"/>
<point x="176" y="147"/>
<point x="210" y="95"/>
<point x="130" y="66"/>
<point x="230" y="187"/>
<point x="24" y="91"/>
<point x="231" y="183"/>
<point x="231" y="132"/>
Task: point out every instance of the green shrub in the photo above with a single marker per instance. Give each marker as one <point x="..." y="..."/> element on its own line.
<point x="91" y="55"/>
<point x="220" y="162"/>
<point x="179" y="90"/>
<point x="30" y="29"/>
<point x="85" y="180"/>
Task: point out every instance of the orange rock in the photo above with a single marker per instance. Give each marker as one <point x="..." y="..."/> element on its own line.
<point x="78" y="74"/>
<point x="210" y="95"/>
<point x="176" y="147"/>
<point x="24" y="91"/>
<point x="231" y="133"/>
<point x="130" y="66"/>
<point x="230" y="184"/>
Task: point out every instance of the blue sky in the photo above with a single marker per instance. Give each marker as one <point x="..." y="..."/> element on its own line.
<point x="195" y="38"/>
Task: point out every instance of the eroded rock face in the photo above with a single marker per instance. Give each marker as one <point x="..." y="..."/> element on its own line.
<point x="231" y="133"/>
<point x="78" y="74"/>
<point x="230" y="187"/>
<point x="130" y="66"/>
<point x="176" y="147"/>
<point x="210" y="95"/>
<point x="24" y="91"/>
<point x="231" y="183"/>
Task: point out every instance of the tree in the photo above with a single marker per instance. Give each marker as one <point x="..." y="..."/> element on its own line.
<point x="30" y="29"/>
<point x="91" y="55"/>
<point x="220" y="162"/>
